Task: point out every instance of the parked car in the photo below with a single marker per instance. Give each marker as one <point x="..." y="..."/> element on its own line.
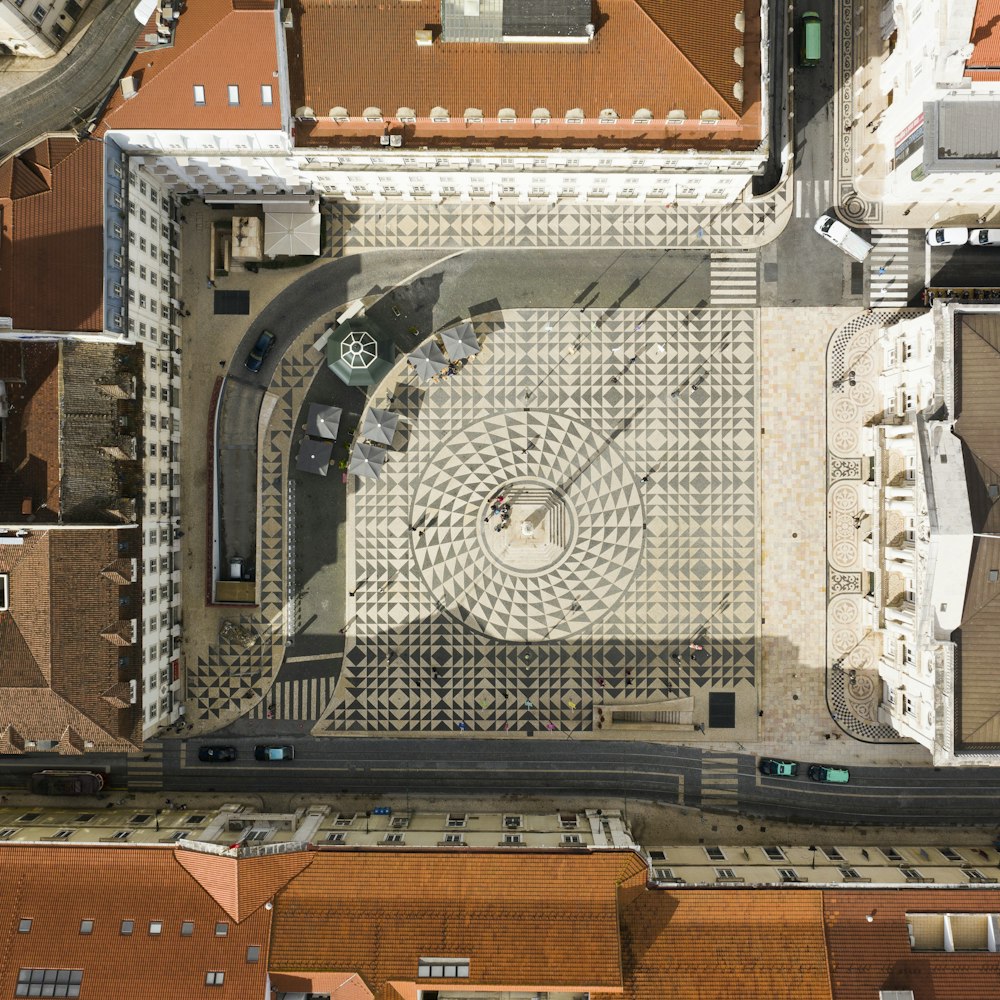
<point x="832" y="775"/>
<point x="213" y="755"/>
<point x="948" y="236"/>
<point x="841" y="236"/>
<point x="985" y="237"/>
<point x="778" y="768"/>
<point x="66" y="782"/>
<point x="259" y="351"/>
<point x="262" y="752"/>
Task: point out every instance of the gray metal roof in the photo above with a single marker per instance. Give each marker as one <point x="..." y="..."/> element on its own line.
<point x="962" y="135"/>
<point x="497" y="20"/>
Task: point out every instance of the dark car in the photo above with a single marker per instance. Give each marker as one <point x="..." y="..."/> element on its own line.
<point x="778" y="768"/>
<point x="213" y="755"/>
<point x="259" y="351"/>
<point x="66" y="782"/>
<point x="269" y="752"/>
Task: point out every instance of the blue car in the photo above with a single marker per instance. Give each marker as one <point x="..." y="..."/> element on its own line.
<point x="259" y="351"/>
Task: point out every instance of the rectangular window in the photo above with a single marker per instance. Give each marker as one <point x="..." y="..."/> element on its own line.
<point x="950" y="854"/>
<point x="715" y="853"/>
<point x="832" y="854"/>
<point x="773" y="853"/>
<point x="49" y="983"/>
<point x="455" y="820"/>
<point x="253" y="953"/>
<point x="443" y="968"/>
<point x="849" y="873"/>
<point x="912" y="875"/>
<point x="187" y="928"/>
<point x="453" y="838"/>
<point x="156" y="927"/>
<point x="891" y="854"/>
<point x="214" y="978"/>
<point x="39" y="14"/>
<point x="788" y="874"/>
<point x="234" y="93"/>
<point x="572" y="838"/>
<point x="343" y="820"/>
<point x="221" y="930"/>
<point x="199" y="94"/>
<point x="266" y="95"/>
<point x="336" y="838"/>
<point x="724" y="874"/>
<point x="127" y="927"/>
<point x="62" y="834"/>
<point x="393" y="838"/>
<point x="512" y="838"/>
<point x="24" y="926"/>
<point x="86" y="926"/>
<point x="974" y="875"/>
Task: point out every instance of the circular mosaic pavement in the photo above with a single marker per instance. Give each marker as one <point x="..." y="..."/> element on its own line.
<point x="564" y="552"/>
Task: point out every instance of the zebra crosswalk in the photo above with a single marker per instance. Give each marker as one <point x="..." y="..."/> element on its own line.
<point x="812" y="198"/>
<point x="889" y="268"/>
<point x="302" y="699"/>
<point x="733" y="278"/>
<point x="145" y="767"/>
<point x="720" y="781"/>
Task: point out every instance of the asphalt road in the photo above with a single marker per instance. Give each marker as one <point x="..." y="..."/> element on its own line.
<point x="63" y="97"/>
<point x="668" y="774"/>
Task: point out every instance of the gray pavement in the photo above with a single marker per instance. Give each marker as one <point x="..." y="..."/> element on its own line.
<point x="63" y="97"/>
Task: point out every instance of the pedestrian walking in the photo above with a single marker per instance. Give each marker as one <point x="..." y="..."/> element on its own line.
<point x="881" y="270"/>
<point x="645" y="478"/>
<point x="696" y="647"/>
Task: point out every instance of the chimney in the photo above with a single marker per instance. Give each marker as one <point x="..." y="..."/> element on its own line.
<point x="130" y="86"/>
<point x="424" y="36"/>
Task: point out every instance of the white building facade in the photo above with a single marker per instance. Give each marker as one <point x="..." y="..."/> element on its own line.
<point x="37" y="28"/>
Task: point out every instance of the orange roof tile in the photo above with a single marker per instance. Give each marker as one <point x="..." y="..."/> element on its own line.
<point x="57" y="886"/>
<point x="51" y="245"/>
<point x="655" y="54"/>
<point x="534" y="920"/>
<point x="866" y="957"/>
<point x="242" y="885"/>
<point x="214" y="45"/>
<point x="724" y="944"/>
<point x="985" y="59"/>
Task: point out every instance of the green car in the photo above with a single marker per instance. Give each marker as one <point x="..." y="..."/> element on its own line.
<point x="833" y="775"/>
<point x="778" y="768"/>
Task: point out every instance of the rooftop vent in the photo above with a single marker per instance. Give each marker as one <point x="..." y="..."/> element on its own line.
<point x="4" y="592"/>
<point x="129" y="86"/>
<point x="424" y="36"/>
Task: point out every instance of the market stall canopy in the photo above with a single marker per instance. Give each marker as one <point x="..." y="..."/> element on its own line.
<point x="292" y="230"/>
<point x="314" y="456"/>
<point x="358" y="353"/>
<point x="428" y="360"/>
<point x="323" y="421"/>
<point x="380" y="426"/>
<point x="460" y="341"/>
<point x="367" y="460"/>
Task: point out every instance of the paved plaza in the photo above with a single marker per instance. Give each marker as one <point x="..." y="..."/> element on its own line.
<point x="625" y="444"/>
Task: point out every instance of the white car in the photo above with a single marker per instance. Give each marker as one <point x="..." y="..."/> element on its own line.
<point x="842" y="236"/>
<point x="985" y="237"/>
<point x="948" y="236"/>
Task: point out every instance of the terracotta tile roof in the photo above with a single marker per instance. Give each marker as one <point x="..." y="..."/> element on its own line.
<point x="51" y="245"/>
<point x="868" y="957"/>
<point x="241" y="885"/>
<point x="656" y="54"/>
<point x="985" y="40"/>
<point x="55" y="666"/>
<point x="215" y="44"/>
<point x="58" y="886"/>
<point x="977" y="382"/>
<point x="724" y="944"/>
<point x="534" y="920"/>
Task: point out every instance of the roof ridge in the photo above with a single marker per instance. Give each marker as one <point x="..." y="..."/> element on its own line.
<point x="708" y="83"/>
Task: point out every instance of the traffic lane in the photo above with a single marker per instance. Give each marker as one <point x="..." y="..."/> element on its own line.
<point x="14" y="771"/>
<point x="965" y="267"/>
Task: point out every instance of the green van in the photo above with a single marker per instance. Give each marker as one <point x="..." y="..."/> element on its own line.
<point x="811" y="48"/>
<point x="833" y="775"/>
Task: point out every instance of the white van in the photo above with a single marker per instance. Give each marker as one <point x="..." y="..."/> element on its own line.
<point x="847" y="239"/>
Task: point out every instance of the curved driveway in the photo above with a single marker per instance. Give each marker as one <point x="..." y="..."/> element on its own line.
<point x="76" y="84"/>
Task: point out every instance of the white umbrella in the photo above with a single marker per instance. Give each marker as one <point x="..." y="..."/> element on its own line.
<point x="460" y="341"/>
<point x="380" y="426"/>
<point x="428" y="360"/>
<point x="367" y="460"/>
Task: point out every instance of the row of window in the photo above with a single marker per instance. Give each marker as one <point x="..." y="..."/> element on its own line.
<point x="831" y="854"/>
<point x="233" y="94"/>
<point x="567" y="821"/>
<point x="848" y="874"/>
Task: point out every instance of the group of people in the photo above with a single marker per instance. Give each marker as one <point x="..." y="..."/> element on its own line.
<point x="501" y="508"/>
<point x="452" y="369"/>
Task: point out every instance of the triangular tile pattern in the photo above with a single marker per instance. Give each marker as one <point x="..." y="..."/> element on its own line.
<point x="355" y="226"/>
<point x="444" y="637"/>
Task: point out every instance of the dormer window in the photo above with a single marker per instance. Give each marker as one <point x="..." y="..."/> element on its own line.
<point x="234" y="93"/>
<point x="199" y="94"/>
<point x="266" y="95"/>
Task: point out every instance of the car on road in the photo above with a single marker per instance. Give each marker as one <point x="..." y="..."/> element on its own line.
<point x="273" y="752"/>
<point x="778" y="768"/>
<point x="66" y="782"/>
<point x="948" y="236"/>
<point x="831" y="775"/>
<point x="984" y="237"/>
<point x="213" y="755"/>
<point x="259" y="351"/>
<point x="842" y="236"/>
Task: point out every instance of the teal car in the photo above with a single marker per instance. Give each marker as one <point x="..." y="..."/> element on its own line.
<point x="778" y="768"/>
<point x="831" y="775"/>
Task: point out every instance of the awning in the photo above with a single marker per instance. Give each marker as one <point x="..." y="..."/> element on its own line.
<point x="292" y="233"/>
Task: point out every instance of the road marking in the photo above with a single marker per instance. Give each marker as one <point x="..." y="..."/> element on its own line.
<point x="311" y="658"/>
<point x="889" y="268"/>
<point x="720" y="777"/>
<point x="145" y="774"/>
<point x="812" y="198"/>
<point x="733" y="278"/>
<point x="303" y="699"/>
